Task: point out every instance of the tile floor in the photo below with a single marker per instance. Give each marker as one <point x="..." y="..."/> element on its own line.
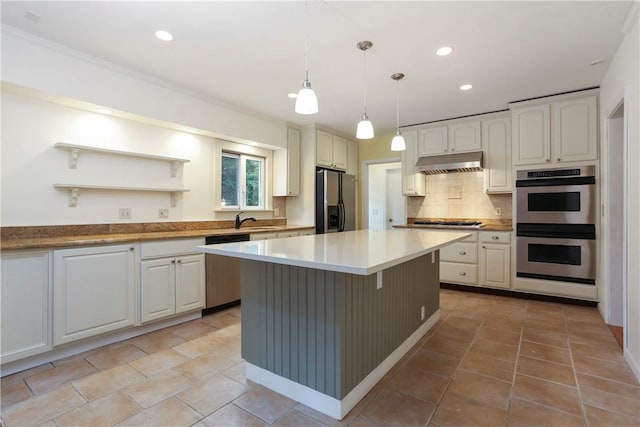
<point x="489" y="361"/>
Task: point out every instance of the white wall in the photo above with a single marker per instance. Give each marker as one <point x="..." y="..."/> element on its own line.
<point x="622" y="79"/>
<point x="50" y="68"/>
<point x="31" y="165"/>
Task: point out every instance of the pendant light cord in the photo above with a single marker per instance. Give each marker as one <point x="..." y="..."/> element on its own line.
<point x="306" y="44"/>
<point x="397" y="106"/>
<point x="365" y="82"/>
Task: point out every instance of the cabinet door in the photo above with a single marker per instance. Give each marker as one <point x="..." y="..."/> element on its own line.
<point x="324" y="149"/>
<point x="413" y="183"/>
<point x="157" y="288"/>
<point x="465" y="136"/>
<point x="293" y="162"/>
<point x="190" y="284"/>
<point x="575" y="130"/>
<point x="495" y="265"/>
<point x="531" y="135"/>
<point x="93" y="291"/>
<point x="340" y="153"/>
<point x="433" y="140"/>
<point x="496" y="134"/>
<point x="26" y="305"/>
<point x="352" y="158"/>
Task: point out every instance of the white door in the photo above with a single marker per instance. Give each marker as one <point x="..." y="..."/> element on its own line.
<point x="395" y="210"/>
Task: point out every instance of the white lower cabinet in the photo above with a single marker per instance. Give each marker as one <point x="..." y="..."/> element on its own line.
<point x="93" y="291"/>
<point x="459" y="262"/>
<point x="495" y="259"/>
<point x="171" y="283"/>
<point x="26" y="305"/>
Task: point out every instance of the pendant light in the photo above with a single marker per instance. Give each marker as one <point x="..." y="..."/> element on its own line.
<point x="397" y="143"/>
<point x="306" y="102"/>
<point x="365" y="128"/>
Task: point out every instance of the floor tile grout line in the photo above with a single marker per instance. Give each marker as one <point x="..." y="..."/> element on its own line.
<point x="515" y="370"/>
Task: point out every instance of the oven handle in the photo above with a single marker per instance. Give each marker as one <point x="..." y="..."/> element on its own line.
<point x="552" y="182"/>
<point x="557" y="231"/>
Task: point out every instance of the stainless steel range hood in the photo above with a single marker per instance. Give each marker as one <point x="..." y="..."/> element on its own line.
<point x="444" y="163"/>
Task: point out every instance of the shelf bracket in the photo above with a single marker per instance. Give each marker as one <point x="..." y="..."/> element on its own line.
<point x="73" y="197"/>
<point x="174" y="168"/>
<point x="174" y="199"/>
<point x="74" y="156"/>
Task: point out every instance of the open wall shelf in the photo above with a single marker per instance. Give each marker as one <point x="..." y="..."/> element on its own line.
<point x="74" y="191"/>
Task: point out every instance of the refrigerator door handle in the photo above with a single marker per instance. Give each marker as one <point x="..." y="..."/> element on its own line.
<point x="341" y="213"/>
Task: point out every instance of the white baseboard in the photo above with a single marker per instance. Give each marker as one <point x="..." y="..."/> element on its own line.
<point x="328" y="405"/>
<point x="633" y="364"/>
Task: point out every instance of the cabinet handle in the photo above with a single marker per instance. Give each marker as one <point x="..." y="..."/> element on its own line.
<point x="484" y="247"/>
<point x="547" y="160"/>
<point x="558" y="159"/>
<point x="173" y="261"/>
<point x="179" y="261"/>
<point x="463" y="253"/>
<point x="453" y="149"/>
<point x="495" y="237"/>
<point x="462" y="273"/>
<point x="132" y="249"/>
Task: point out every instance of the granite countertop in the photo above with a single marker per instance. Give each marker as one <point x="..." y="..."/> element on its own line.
<point x="113" y="238"/>
<point x="357" y="252"/>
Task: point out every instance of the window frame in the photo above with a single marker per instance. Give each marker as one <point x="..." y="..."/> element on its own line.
<point x="243" y="152"/>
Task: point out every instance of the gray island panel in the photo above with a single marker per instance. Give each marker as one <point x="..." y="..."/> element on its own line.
<point x="328" y="330"/>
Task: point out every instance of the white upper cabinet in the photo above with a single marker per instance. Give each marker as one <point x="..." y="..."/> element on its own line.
<point x="561" y="130"/>
<point x="352" y="158"/>
<point x="287" y="166"/>
<point x="433" y="140"/>
<point x="464" y="136"/>
<point x="496" y="134"/>
<point x="331" y="150"/>
<point x="413" y="183"/>
<point x="531" y="135"/>
<point x="456" y="136"/>
<point x="575" y="129"/>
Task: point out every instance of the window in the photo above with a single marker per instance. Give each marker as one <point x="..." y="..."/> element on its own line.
<point x="242" y="181"/>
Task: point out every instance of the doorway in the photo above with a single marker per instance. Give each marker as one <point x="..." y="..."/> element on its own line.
<point x="382" y="185"/>
<point x="615" y="222"/>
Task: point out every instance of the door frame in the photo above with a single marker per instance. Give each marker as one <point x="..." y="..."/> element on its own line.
<point x="386" y="191"/>
<point x="621" y="100"/>
<point x="364" y="189"/>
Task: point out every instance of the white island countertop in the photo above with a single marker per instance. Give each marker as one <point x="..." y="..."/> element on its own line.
<point x="357" y="252"/>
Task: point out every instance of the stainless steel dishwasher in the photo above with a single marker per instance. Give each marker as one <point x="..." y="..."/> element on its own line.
<point x="223" y="273"/>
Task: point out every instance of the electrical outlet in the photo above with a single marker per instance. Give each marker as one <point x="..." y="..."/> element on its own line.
<point x="163" y="213"/>
<point x="379" y="280"/>
<point x="124" y="213"/>
<point x="422" y="313"/>
<point x="276" y="211"/>
<point x="498" y="211"/>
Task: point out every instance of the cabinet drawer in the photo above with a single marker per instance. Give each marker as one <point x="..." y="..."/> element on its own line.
<point x="287" y="234"/>
<point x="495" y="237"/>
<point x="460" y="252"/>
<point x="263" y="236"/>
<point x="165" y="248"/>
<point x="459" y="273"/>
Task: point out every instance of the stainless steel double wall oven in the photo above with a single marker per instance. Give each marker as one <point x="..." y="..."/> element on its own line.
<point x="555" y="231"/>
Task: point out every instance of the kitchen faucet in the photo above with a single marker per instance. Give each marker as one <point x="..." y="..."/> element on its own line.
<point x="239" y="222"/>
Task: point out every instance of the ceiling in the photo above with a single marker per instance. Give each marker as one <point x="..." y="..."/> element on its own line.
<point x="251" y="54"/>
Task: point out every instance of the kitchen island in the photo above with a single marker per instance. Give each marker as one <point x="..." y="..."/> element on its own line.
<point x="325" y="317"/>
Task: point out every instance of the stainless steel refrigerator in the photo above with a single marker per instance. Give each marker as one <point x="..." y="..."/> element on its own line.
<point x="335" y="201"/>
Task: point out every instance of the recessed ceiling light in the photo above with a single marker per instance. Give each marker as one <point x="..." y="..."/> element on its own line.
<point x="444" y="51"/>
<point x="104" y="110"/>
<point x="164" y="35"/>
<point x="292" y="95"/>
<point x="466" y="86"/>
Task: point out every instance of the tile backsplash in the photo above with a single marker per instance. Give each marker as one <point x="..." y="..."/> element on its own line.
<point x="458" y="195"/>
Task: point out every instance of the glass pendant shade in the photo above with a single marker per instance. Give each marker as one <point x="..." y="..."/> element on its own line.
<point x="397" y="143"/>
<point x="364" y="129"/>
<point x="306" y="102"/>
